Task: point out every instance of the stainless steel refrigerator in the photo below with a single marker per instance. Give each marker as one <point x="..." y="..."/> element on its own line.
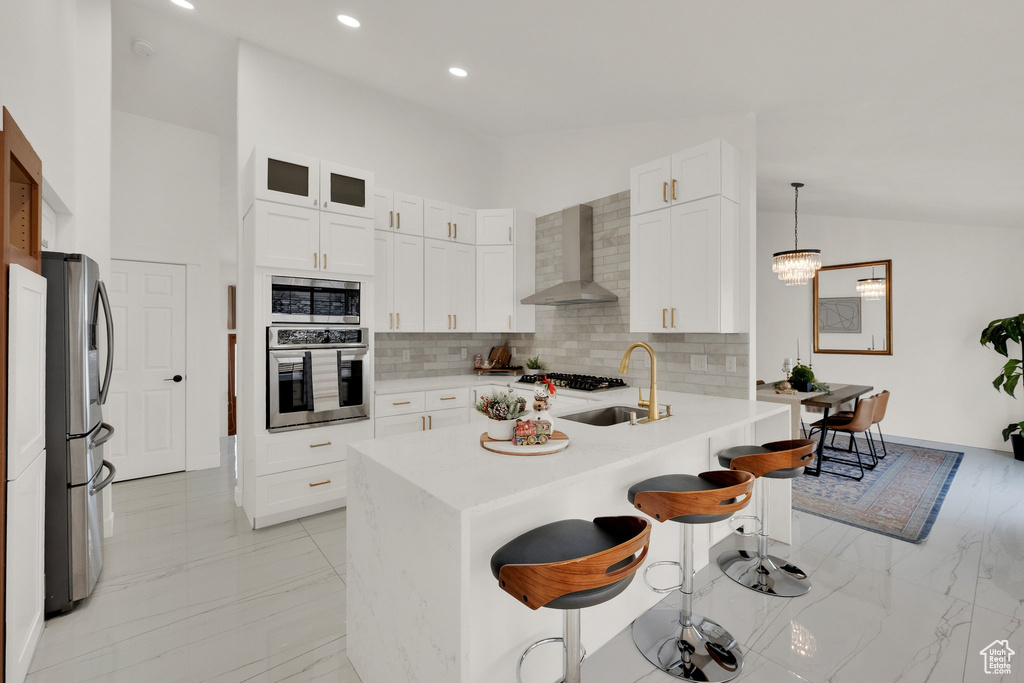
<point x="75" y="430"/>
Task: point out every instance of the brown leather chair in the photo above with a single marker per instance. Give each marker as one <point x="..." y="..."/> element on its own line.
<point x="569" y="565"/>
<point x="760" y="571"/>
<point x="881" y="403"/>
<point x="677" y="641"/>
<point x="859" y="422"/>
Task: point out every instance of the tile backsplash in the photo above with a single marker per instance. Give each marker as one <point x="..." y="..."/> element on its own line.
<point x="588" y="338"/>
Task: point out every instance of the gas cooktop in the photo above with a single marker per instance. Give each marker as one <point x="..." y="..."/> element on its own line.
<point x="578" y="382"/>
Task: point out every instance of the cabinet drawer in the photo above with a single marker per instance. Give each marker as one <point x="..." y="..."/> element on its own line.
<point x="286" y="491"/>
<point x="293" y="455"/>
<point x="443" y="399"/>
<point x="399" y="404"/>
<point x="400" y="424"/>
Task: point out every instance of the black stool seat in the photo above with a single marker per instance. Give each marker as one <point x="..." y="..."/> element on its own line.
<point x="726" y="456"/>
<point x="680" y="483"/>
<point x="567" y="539"/>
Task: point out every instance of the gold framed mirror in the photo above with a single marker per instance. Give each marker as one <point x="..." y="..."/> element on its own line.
<point x="853" y="308"/>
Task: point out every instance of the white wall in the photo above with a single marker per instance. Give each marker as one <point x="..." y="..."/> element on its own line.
<point x="167" y="208"/>
<point x="948" y="282"/>
<point x="292" y="106"/>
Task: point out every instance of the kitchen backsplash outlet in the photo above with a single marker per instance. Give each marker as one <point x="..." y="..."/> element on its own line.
<point x="586" y="339"/>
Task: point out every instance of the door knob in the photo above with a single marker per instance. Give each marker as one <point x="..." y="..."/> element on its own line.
<point x="176" y="378"/>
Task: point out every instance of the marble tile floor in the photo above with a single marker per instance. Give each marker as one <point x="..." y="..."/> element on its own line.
<point x="189" y="593"/>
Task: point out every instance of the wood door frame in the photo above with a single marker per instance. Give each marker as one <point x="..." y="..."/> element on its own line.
<point x="13" y="143"/>
<point x="232" y="397"/>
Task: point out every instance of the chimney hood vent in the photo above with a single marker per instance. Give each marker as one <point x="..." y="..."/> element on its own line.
<point x="577" y="286"/>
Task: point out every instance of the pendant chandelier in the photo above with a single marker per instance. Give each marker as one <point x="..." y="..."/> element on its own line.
<point x="871" y="288"/>
<point x="796" y="266"/>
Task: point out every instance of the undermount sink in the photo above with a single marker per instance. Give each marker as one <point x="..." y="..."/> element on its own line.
<point x="606" y="417"/>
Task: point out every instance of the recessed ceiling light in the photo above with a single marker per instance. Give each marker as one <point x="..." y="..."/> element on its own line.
<point x="458" y="71"/>
<point x="351" y="22"/>
<point x="184" y="3"/>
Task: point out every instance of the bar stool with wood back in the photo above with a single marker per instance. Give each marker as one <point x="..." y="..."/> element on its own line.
<point x="760" y="571"/>
<point x="569" y="565"/>
<point x="860" y="422"/>
<point x="677" y="641"/>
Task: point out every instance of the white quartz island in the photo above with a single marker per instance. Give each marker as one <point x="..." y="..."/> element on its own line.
<point x="426" y="511"/>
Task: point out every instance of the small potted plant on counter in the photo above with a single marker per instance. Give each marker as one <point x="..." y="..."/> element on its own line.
<point x="534" y="366"/>
<point x="998" y="333"/>
<point x="502" y="408"/>
<point x="802" y="378"/>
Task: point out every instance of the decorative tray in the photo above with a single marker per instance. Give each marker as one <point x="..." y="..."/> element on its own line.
<point x="558" y="442"/>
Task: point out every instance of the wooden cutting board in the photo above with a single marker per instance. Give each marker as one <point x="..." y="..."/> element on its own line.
<point x="558" y="442"/>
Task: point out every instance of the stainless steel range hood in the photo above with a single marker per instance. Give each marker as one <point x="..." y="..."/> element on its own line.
<point x="577" y="286"/>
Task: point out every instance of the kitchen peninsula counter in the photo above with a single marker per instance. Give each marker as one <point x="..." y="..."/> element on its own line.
<point x="427" y="510"/>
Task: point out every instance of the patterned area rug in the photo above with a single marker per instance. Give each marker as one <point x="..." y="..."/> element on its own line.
<point x="899" y="498"/>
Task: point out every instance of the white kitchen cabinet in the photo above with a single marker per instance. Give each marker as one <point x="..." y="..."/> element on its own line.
<point x="384" y="275"/>
<point x="449" y="286"/>
<point x="495" y="301"/>
<point x="26" y="369"/>
<point x="408" y="214"/>
<point x="26" y="508"/>
<point x="282" y="177"/>
<point x="437" y="219"/>
<point x="706" y="170"/>
<point x="288" y="495"/>
<point x="439" y="419"/>
<point x="287" y="236"/>
<point x="346" y="190"/>
<point x="684" y="268"/>
<point x="408" y="283"/>
<point x="495" y="226"/>
<point x="394" y="425"/>
<point x="463" y="224"/>
<point x="346" y="244"/>
<point x="383" y="209"/>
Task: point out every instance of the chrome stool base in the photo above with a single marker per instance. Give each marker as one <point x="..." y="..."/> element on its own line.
<point x="769" y="575"/>
<point x="699" y="650"/>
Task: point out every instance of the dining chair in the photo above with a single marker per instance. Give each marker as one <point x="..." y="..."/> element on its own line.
<point x="859" y="423"/>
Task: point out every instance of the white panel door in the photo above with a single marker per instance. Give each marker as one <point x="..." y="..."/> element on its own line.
<point x="346" y="244"/>
<point x="439" y="419"/>
<point x="463" y="287"/>
<point x="408" y="214"/>
<point x="152" y="306"/>
<point x="383" y="209"/>
<point x="437" y="220"/>
<point x="495" y="226"/>
<point x="287" y="236"/>
<point x="26" y="369"/>
<point x="649" y="186"/>
<point x="383" y="281"/>
<point x="286" y="178"/>
<point x="495" y="301"/>
<point x="696" y="266"/>
<point x="346" y="190"/>
<point x="408" y="283"/>
<point x="463" y="224"/>
<point x="697" y="172"/>
<point x="399" y="424"/>
<point x="649" y="272"/>
<point x="26" y="508"/>
<point x="437" y="279"/>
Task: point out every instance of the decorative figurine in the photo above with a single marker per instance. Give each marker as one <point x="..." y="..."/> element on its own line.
<point x="543" y="393"/>
<point x="532" y="432"/>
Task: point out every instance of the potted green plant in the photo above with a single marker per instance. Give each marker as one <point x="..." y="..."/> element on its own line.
<point x="997" y="334"/>
<point x="802" y="378"/>
<point x="502" y="408"/>
<point x="534" y="366"/>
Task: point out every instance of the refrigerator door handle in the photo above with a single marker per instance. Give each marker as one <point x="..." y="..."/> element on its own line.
<point x="107" y="481"/>
<point x="106" y="437"/>
<point x="105" y="385"/>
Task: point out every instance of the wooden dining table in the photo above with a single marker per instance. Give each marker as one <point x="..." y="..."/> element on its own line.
<point x="828" y="401"/>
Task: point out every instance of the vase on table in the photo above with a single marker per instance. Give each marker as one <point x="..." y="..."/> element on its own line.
<point x="501" y="430"/>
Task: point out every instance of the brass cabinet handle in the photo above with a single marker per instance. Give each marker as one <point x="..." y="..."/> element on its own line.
<point x="391" y="321"/>
<point x="664" y="192"/>
<point x="673" y="317"/>
<point x="398" y="321"/>
<point x="423" y="423"/>
<point x="455" y="318"/>
<point x="456" y="230"/>
<point x="391" y="219"/>
<point x="398" y="220"/>
<point x="401" y="403"/>
<point x="447" y="398"/>
<point x="320" y="483"/>
<point x="673" y="188"/>
<point x="449" y="321"/>
<point x="325" y="262"/>
<point x="449" y="228"/>
<point x="663" y="312"/>
<point x="316" y="259"/>
<point x="510" y="322"/>
<point x="320" y="445"/>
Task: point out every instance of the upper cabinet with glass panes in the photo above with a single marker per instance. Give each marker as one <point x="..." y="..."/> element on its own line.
<point x="302" y="181"/>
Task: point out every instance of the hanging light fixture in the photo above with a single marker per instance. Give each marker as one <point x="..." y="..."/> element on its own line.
<point x="871" y="288"/>
<point x="796" y="266"/>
